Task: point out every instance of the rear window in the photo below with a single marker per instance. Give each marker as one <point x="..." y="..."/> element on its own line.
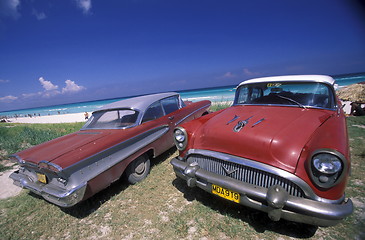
<point x="170" y="104"/>
<point x="153" y="112"/>
<point x="120" y="118"/>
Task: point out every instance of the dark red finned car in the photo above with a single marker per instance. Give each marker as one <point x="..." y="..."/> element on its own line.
<point x="119" y="138"/>
<point x="282" y="148"/>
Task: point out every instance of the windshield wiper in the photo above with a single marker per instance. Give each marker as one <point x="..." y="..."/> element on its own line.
<point x="292" y="100"/>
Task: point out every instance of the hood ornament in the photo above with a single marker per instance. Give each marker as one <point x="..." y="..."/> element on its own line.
<point x="241" y="124"/>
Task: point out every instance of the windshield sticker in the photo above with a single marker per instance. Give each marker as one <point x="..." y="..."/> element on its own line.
<point x="273" y="84"/>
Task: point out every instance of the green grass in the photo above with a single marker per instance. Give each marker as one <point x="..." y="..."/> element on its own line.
<point x="163" y="207"/>
<point x="17" y="137"/>
<point x="220" y="105"/>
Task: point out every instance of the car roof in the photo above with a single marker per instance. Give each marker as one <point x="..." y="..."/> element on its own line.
<point x="295" y="78"/>
<point x="139" y="103"/>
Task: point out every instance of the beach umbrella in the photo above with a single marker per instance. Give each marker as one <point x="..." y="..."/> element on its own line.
<point x="354" y="93"/>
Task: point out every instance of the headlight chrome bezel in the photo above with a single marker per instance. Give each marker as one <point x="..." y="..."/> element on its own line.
<point x="327" y="167"/>
<point x="180" y="138"/>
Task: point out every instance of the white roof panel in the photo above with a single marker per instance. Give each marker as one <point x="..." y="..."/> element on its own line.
<point x="139" y="103"/>
<point x="294" y="78"/>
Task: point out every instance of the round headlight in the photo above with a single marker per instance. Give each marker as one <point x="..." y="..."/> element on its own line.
<point x="327" y="168"/>
<point x="180" y="138"/>
<point x="327" y="163"/>
<point x="179" y="135"/>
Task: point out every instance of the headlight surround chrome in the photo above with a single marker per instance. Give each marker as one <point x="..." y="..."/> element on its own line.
<point x="326" y="167"/>
<point x="180" y="138"/>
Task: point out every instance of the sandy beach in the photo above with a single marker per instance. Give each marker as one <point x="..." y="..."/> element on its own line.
<point x="60" y="118"/>
<point x="79" y="117"/>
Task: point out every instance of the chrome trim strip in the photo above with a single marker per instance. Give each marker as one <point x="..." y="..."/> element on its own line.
<point x="264" y="167"/>
<point x="91" y="167"/>
<point x="187" y="116"/>
<point x="258" y="122"/>
<point x="234" y="118"/>
<point x="118" y="146"/>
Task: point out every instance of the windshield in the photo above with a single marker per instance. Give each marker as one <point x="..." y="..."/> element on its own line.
<point x="300" y="94"/>
<point x="111" y="119"/>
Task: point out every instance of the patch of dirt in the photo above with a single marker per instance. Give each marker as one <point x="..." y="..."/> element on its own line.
<point x="8" y="189"/>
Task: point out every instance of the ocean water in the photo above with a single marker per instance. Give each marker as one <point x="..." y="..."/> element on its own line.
<point x="217" y="94"/>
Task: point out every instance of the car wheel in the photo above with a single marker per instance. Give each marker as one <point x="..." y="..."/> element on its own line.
<point x="138" y="169"/>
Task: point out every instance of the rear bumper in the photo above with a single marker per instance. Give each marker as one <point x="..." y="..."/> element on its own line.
<point x="275" y="201"/>
<point x="53" y="194"/>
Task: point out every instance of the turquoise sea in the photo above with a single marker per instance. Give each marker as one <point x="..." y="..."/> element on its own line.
<point x="217" y="94"/>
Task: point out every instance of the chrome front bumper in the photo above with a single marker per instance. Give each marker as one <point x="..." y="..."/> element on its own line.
<point x="275" y="200"/>
<point x="53" y="194"/>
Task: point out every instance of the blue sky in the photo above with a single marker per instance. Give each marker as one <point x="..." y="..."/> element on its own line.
<point x="64" y="51"/>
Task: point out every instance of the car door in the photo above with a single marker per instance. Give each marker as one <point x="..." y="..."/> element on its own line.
<point x="168" y="112"/>
<point x="155" y="117"/>
<point x="173" y="115"/>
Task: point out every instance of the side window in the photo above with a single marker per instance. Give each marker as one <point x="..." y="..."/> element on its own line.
<point x="170" y="104"/>
<point x="153" y="112"/>
<point x="243" y="95"/>
<point x="256" y="93"/>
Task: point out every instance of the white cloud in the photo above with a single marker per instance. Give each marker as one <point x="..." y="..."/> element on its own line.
<point x="49" y="90"/>
<point x="39" y="15"/>
<point x="227" y="75"/>
<point x="248" y="72"/>
<point x="30" y="95"/>
<point x="84" y="5"/>
<point x="48" y="94"/>
<point x="8" y="99"/>
<point x="47" y="85"/>
<point x="9" y="8"/>
<point x="72" y="87"/>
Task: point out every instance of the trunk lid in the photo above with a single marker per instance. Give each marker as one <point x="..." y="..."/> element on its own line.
<point x="67" y="150"/>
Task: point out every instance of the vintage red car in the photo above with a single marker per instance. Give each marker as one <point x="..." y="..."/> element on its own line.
<point x="119" y="138"/>
<point x="282" y="148"/>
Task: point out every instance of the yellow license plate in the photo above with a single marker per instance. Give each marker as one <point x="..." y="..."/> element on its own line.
<point x="225" y="193"/>
<point x="42" y="178"/>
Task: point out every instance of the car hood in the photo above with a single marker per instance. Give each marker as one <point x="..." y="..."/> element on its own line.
<point x="271" y="135"/>
<point x="67" y="150"/>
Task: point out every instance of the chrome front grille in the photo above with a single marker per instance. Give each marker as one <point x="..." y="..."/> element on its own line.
<point x="244" y="173"/>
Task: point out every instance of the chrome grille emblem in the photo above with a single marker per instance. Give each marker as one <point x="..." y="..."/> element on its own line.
<point x="227" y="171"/>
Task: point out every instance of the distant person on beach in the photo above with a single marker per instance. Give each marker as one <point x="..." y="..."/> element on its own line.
<point x="356" y="109"/>
<point x="86" y="114"/>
